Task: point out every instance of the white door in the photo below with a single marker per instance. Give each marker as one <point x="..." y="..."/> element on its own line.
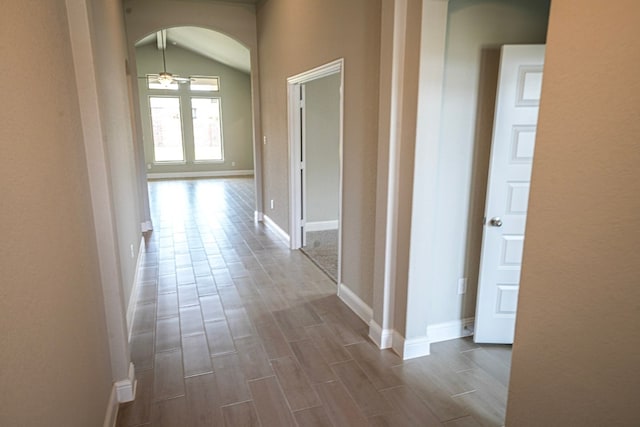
<point x="514" y="135"/>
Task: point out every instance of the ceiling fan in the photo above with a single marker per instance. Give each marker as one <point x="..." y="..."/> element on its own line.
<point x="165" y="78"/>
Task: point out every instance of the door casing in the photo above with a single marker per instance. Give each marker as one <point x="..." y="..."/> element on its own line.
<point x="295" y="85"/>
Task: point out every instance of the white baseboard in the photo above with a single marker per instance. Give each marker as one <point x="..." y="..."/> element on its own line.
<point x="203" y="174"/>
<point x="411" y="348"/>
<point x="133" y="298"/>
<point x="276" y="228"/>
<point x="397" y="344"/>
<point x="258" y="216"/>
<point x="406" y="349"/>
<point x="421" y="346"/>
<point x="111" y="416"/>
<point x="354" y="302"/>
<point x="382" y="337"/>
<point x="321" y="225"/>
<point x="126" y="389"/>
<point x="146" y="226"/>
<point x="450" y="330"/>
<point x="121" y="392"/>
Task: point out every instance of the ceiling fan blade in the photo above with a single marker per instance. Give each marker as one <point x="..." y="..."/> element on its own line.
<point x="182" y="79"/>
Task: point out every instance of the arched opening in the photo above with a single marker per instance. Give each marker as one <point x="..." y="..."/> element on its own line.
<point x="224" y="24"/>
<point x="194" y="98"/>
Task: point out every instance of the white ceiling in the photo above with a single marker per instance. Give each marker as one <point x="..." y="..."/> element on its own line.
<point x="208" y="43"/>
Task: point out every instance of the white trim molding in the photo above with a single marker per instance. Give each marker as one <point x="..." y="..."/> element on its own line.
<point x="353" y="301"/>
<point x="133" y="298"/>
<point x="411" y="348"/>
<point x="420" y="346"/>
<point x="450" y="330"/>
<point x="321" y="225"/>
<point x="126" y="389"/>
<point x="318" y="72"/>
<point x="397" y="344"/>
<point x="111" y="417"/>
<point x="146" y="226"/>
<point x="258" y="216"/>
<point x="382" y="337"/>
<point x="203" y="174"/>
<point x="271" y="224"/>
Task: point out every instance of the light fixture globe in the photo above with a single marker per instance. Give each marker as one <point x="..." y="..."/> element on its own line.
<point x="165" y="78"/>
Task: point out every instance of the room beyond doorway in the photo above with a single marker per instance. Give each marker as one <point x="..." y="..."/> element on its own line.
<point x="315" y="144"/>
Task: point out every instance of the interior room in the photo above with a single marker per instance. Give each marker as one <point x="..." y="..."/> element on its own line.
<point x="231" y="93"/>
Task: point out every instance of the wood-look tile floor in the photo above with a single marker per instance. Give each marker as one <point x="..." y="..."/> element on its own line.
<point x="234" y="329"/>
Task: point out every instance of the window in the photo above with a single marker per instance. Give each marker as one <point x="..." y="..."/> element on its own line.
<point x="207" y="130"/>
<point x="204" y="83"/>
<point x="153" y="82"/>
<point x="167" y="129"/>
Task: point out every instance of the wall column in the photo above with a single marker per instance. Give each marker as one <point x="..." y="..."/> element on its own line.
<point x="101" y="199"/>
<point x="400" y="303"/>
<point x="422" y="249"/>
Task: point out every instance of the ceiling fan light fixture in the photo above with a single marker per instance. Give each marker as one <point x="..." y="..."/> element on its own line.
<point x="165" y="79"/>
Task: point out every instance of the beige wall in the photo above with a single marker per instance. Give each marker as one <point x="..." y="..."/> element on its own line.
<point x="322" y="145"/>
<point x="296" y="36"/>
<point x="577" y="346"/>
<point x="235" y="96"/>
<point x="54" y="355"/>
<point x="475" y="31"/>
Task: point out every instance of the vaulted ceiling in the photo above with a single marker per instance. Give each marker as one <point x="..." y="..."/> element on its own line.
<point x="207" y="43"/>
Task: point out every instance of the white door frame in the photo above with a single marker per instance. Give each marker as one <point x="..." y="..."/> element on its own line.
<point x="294" y="88"/>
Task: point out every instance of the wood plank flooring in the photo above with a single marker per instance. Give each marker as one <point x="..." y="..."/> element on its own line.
<point x="233" y="329"/>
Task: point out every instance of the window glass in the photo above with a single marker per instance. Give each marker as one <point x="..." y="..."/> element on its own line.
<point x="167" y="129"/>
<point x="204" y="83"/>
<point x="207" y="128"/>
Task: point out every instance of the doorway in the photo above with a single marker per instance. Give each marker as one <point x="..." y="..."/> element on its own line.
<point x="315" y="144"/>
<point x="512" y="148"/>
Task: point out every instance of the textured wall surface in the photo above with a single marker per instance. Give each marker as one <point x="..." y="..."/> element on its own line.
<point x="54" y="356"/>
<point x="577" y="345"/>
<point x="297" y="36"/>
<point x="322" y="143"/>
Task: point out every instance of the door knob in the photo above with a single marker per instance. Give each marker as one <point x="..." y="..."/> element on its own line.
<point x="495" y="222"/>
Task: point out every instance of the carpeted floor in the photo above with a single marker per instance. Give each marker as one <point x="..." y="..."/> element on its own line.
<point x="322" y="248"/>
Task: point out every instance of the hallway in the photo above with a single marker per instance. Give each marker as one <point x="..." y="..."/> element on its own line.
<point x="234" y="329"/>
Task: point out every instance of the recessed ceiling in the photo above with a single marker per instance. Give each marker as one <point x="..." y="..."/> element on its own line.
<point x="208" y="43"/>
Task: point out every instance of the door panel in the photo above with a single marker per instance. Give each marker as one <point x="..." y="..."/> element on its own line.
<point x="512" y="149"/>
